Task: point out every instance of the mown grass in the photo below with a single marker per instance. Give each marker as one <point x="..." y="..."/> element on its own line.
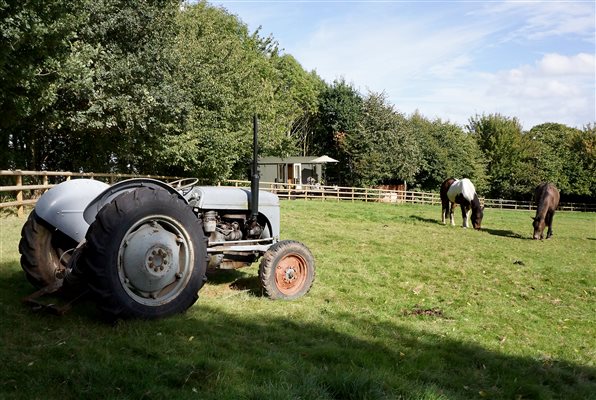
<point x="402" y="307"/>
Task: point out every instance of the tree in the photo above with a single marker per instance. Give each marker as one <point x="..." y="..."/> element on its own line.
<point x="552" y="153"/>
<point x="145" y="86"/>
<point x="582" y="171"/>
<point x="124" y="100"/>
<point x="340" y="110"/>
<point x="565" y="157"/>
<point x="92" y="92"/>
<point x="228" y="75"/>
<point x="383" y="149"/>
<point x="511" y="174"/>
<point x="297" y="95"/>
<point x="36" y="39"/>
<point x="447" y="151"/>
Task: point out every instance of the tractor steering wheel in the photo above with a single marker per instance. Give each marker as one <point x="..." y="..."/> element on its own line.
<point x="183" y="183"/>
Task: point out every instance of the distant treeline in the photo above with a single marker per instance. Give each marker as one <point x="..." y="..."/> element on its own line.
<point x="162" y="87"/>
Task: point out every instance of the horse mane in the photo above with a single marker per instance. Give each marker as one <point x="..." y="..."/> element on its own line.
<point x="475" y="203"/>
<point x="542" y="207"/>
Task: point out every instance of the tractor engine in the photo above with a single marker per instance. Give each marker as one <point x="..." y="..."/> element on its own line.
<point x="228" y="227"/>
<point x="222" y="232"/>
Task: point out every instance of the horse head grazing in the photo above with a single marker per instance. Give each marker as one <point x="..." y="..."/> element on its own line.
<point x="477" y="215"/>
<point x="538" y="225"/>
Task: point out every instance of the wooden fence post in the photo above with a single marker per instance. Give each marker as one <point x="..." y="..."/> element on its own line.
<point x="19" y="182"/>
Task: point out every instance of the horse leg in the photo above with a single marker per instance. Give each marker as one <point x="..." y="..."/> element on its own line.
<point x="549" y="221"/>
<point x="451" y="211"/>
<point x="464" y="214"/>
<point x="444" y="210"/>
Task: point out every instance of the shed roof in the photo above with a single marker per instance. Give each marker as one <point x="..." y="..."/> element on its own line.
<point x="296" y="160"/>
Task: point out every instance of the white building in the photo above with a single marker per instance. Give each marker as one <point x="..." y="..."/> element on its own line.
<point x="294" y="170"/>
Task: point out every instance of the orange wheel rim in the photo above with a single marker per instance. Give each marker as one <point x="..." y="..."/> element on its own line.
<point x="290" y="274"/>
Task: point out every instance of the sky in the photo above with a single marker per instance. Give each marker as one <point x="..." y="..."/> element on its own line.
<point x="534" y="60"/>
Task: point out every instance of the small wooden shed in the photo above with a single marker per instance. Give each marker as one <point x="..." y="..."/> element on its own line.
<point x="305" y="170"/>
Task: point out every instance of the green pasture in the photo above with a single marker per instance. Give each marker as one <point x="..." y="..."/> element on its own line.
<point x="402" y="308"/>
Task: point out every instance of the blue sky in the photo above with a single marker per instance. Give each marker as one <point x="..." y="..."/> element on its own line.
<point x="447" y="59"/>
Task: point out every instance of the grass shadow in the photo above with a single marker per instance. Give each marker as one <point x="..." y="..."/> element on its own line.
<point x="216" y="354"/>
<point x="236" y="280"/>
<point x="427" y="220"/>
<point x="505" y="233"/>
<point x="14" y="288"/>
<point x="14" y="280"/>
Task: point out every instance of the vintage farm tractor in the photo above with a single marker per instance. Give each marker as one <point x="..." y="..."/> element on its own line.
<point x="142" y="247"/>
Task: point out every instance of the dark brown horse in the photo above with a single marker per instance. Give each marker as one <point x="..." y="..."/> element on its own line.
<point x="546" y="197"/>
<point x="462" y="192"/>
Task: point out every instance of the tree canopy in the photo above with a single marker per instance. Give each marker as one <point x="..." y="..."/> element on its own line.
<point x="164" y="87"/>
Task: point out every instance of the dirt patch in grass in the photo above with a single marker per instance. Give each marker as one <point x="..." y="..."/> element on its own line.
<point x="430" y="312"/>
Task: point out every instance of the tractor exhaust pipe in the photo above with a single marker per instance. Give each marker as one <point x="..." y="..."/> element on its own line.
<point x="254" y="181"/>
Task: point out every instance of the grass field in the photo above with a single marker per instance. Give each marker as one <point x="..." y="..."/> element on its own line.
<point x="402" y="307"/>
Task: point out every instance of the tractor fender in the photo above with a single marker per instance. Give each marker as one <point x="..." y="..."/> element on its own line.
<point x="119" y="188"/>
<point x="63" y="205"/>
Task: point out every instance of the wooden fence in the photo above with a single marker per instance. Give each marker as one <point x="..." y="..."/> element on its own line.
<point x="30" y="185"/>
<point x="339" y="193"/>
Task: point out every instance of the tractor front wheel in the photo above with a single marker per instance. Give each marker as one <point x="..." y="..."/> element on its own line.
<point x="287" y="270"/>
<point x="145" y="256"/>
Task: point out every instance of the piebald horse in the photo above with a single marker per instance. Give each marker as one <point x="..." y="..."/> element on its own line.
<point x="462" y="192"/>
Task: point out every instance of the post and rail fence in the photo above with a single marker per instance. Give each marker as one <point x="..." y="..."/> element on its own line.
<point x="30" y="185"/>
<point x="339" y="193"/>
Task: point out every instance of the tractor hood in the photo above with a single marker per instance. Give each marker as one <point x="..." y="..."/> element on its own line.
<point x="221" y="199"/>
<point x="228" y="198"/>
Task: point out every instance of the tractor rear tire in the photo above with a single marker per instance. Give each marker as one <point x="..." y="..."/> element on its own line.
<point x="287" y="270"/>
<point x="145" y="256"/>
<point x="43" y="252"/>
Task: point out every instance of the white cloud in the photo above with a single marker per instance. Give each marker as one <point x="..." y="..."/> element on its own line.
<point x="556" y="64"/>
<point x="452" y="67"/>
<point x="548" y="91"/>
<point x="539" y="20"/>
<point x="380" y="53"/>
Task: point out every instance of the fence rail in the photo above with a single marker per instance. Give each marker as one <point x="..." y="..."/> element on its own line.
<point x="339" y="193"/>
<point x="30" y="185"/>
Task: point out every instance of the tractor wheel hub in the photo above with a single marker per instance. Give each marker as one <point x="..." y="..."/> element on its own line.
<point x="290" y="275"/>
<point x="150" y="258"/>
